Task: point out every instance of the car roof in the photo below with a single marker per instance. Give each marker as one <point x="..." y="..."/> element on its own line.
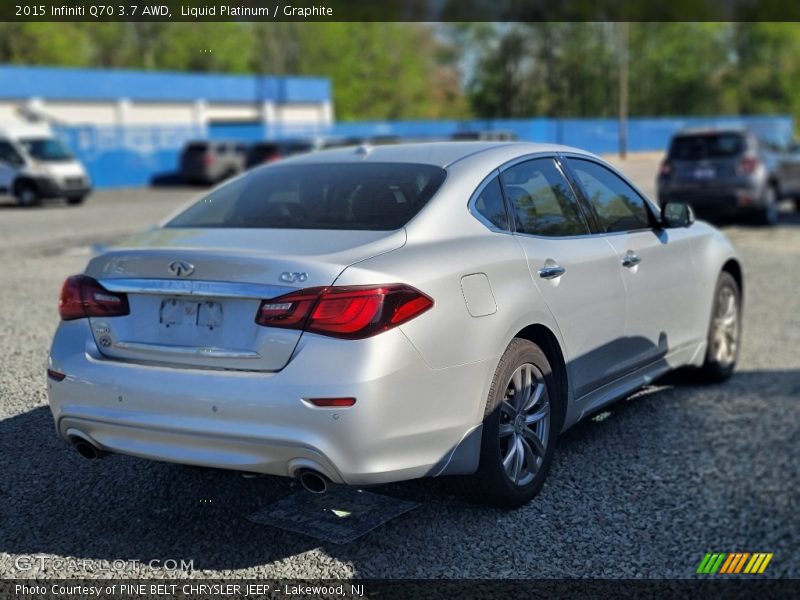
<point x="711" y="130"/>
<point x="441" y="154"/>
<point x="25" y="130"/>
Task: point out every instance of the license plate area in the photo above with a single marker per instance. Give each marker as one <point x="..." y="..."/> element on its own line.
<point x="705" y="173"/>
<point x="179" y="312"/>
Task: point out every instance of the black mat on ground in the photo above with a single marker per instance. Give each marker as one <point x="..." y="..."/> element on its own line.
<point x="339" y="516"/>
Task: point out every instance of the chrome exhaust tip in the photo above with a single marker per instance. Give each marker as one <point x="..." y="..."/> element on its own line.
<point x="86" y="449"/>
<point x="314" y="482"/>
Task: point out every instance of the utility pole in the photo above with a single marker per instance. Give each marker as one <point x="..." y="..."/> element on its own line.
<point x="622" y="55"/>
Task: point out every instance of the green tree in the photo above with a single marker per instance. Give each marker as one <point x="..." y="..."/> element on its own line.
<point x="62" y="44"/>
<point x="679" y="68"/>
<point x="766" y="68"/>
<point x="378" y="70"/>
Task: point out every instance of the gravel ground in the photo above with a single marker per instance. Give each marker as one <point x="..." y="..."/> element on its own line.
<point x="644" y="490"/>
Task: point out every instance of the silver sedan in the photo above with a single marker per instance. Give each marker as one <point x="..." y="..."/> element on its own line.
<point x="368" y="315"/>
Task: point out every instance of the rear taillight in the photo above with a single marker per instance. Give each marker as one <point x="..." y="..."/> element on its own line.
<point x="666" y="168"/>
<point x="272" y="157"/>
<point x="83" y="296"/>
<point x="209" y="159"/>
<point x="351" y="312"/>
<point x="749" y="165"/>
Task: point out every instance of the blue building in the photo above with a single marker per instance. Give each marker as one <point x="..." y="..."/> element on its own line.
<point x="129" y="126"/>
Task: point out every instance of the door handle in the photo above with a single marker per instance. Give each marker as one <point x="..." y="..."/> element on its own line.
<point x="551" y="271"/>
<point x="631" y="259"/>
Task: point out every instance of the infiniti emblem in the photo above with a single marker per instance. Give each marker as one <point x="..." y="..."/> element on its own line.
<point x="181" y="268"/>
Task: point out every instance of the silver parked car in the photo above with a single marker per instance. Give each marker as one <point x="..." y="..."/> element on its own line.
<point x="369" y="315"/>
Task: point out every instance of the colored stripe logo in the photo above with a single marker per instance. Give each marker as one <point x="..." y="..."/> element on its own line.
<point x="732" y="563"/>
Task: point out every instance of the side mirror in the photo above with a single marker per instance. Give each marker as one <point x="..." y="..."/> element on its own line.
<point x="677" y="214"/>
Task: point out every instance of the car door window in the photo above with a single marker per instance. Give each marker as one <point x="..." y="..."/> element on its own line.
<point x="489" y="204"/>
<point x="9" y="155"/>
<point x="618" y="206"/>
<point x="541" y="200"/>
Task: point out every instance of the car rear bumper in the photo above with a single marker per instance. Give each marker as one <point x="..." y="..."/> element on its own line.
<point x="720" y="202"/>
<point x="200" y="175"/>
<point x="409" y="420"/>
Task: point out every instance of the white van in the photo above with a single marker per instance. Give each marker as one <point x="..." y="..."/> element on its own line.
<point x="34" y="164"/>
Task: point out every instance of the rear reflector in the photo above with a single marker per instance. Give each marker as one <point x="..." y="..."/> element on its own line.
<point x="82" y="296"/>
<point x="332" y="402"/>
<point x="55" y="375"/>
<point x="351" y="312"/>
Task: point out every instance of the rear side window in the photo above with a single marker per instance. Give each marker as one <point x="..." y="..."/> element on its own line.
<point x="490" y="205"/>
<point x="541" y="201"/>
<point x="705" y="146"/>
<point x="365" y="196"/>
<point x="616" y="203"/>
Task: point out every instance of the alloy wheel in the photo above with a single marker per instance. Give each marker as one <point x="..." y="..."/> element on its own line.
<point x="725" y="329"/>
<point x="771" y="208"/>
<point x="524" y="424"/>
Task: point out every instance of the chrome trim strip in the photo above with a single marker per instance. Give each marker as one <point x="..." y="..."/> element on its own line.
<point x="192" y="287"/>
<point x="210" y="352"/>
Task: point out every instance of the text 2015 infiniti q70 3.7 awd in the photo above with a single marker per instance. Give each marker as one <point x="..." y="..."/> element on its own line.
<point x="368" y="315"/>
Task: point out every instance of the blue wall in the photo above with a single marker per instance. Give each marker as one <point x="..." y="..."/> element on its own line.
<point x="135" y="156"/>
<point x="595" y="135"/>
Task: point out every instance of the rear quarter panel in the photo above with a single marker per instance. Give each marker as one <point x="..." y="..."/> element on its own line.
<point x="713" y="251"/>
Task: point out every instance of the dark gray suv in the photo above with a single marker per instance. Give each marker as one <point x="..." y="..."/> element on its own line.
<point x="725" y="173"/>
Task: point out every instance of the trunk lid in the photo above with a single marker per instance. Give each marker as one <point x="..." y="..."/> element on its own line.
<point x="194" y="293"/>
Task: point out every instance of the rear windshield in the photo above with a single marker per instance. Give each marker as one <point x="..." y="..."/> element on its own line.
<point x="365" y="196"/>
<point x="199" y="148"/>
<point x="714" y="145"/>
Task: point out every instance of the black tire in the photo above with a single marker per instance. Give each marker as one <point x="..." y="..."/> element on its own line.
<point x="768" y="213"/>
<point x="75" y="200"/>
<point x="27" y="194"/>
<point x="491" y="485"/>
<point x="797" y="203"/>
<point x="715" y="369"/>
